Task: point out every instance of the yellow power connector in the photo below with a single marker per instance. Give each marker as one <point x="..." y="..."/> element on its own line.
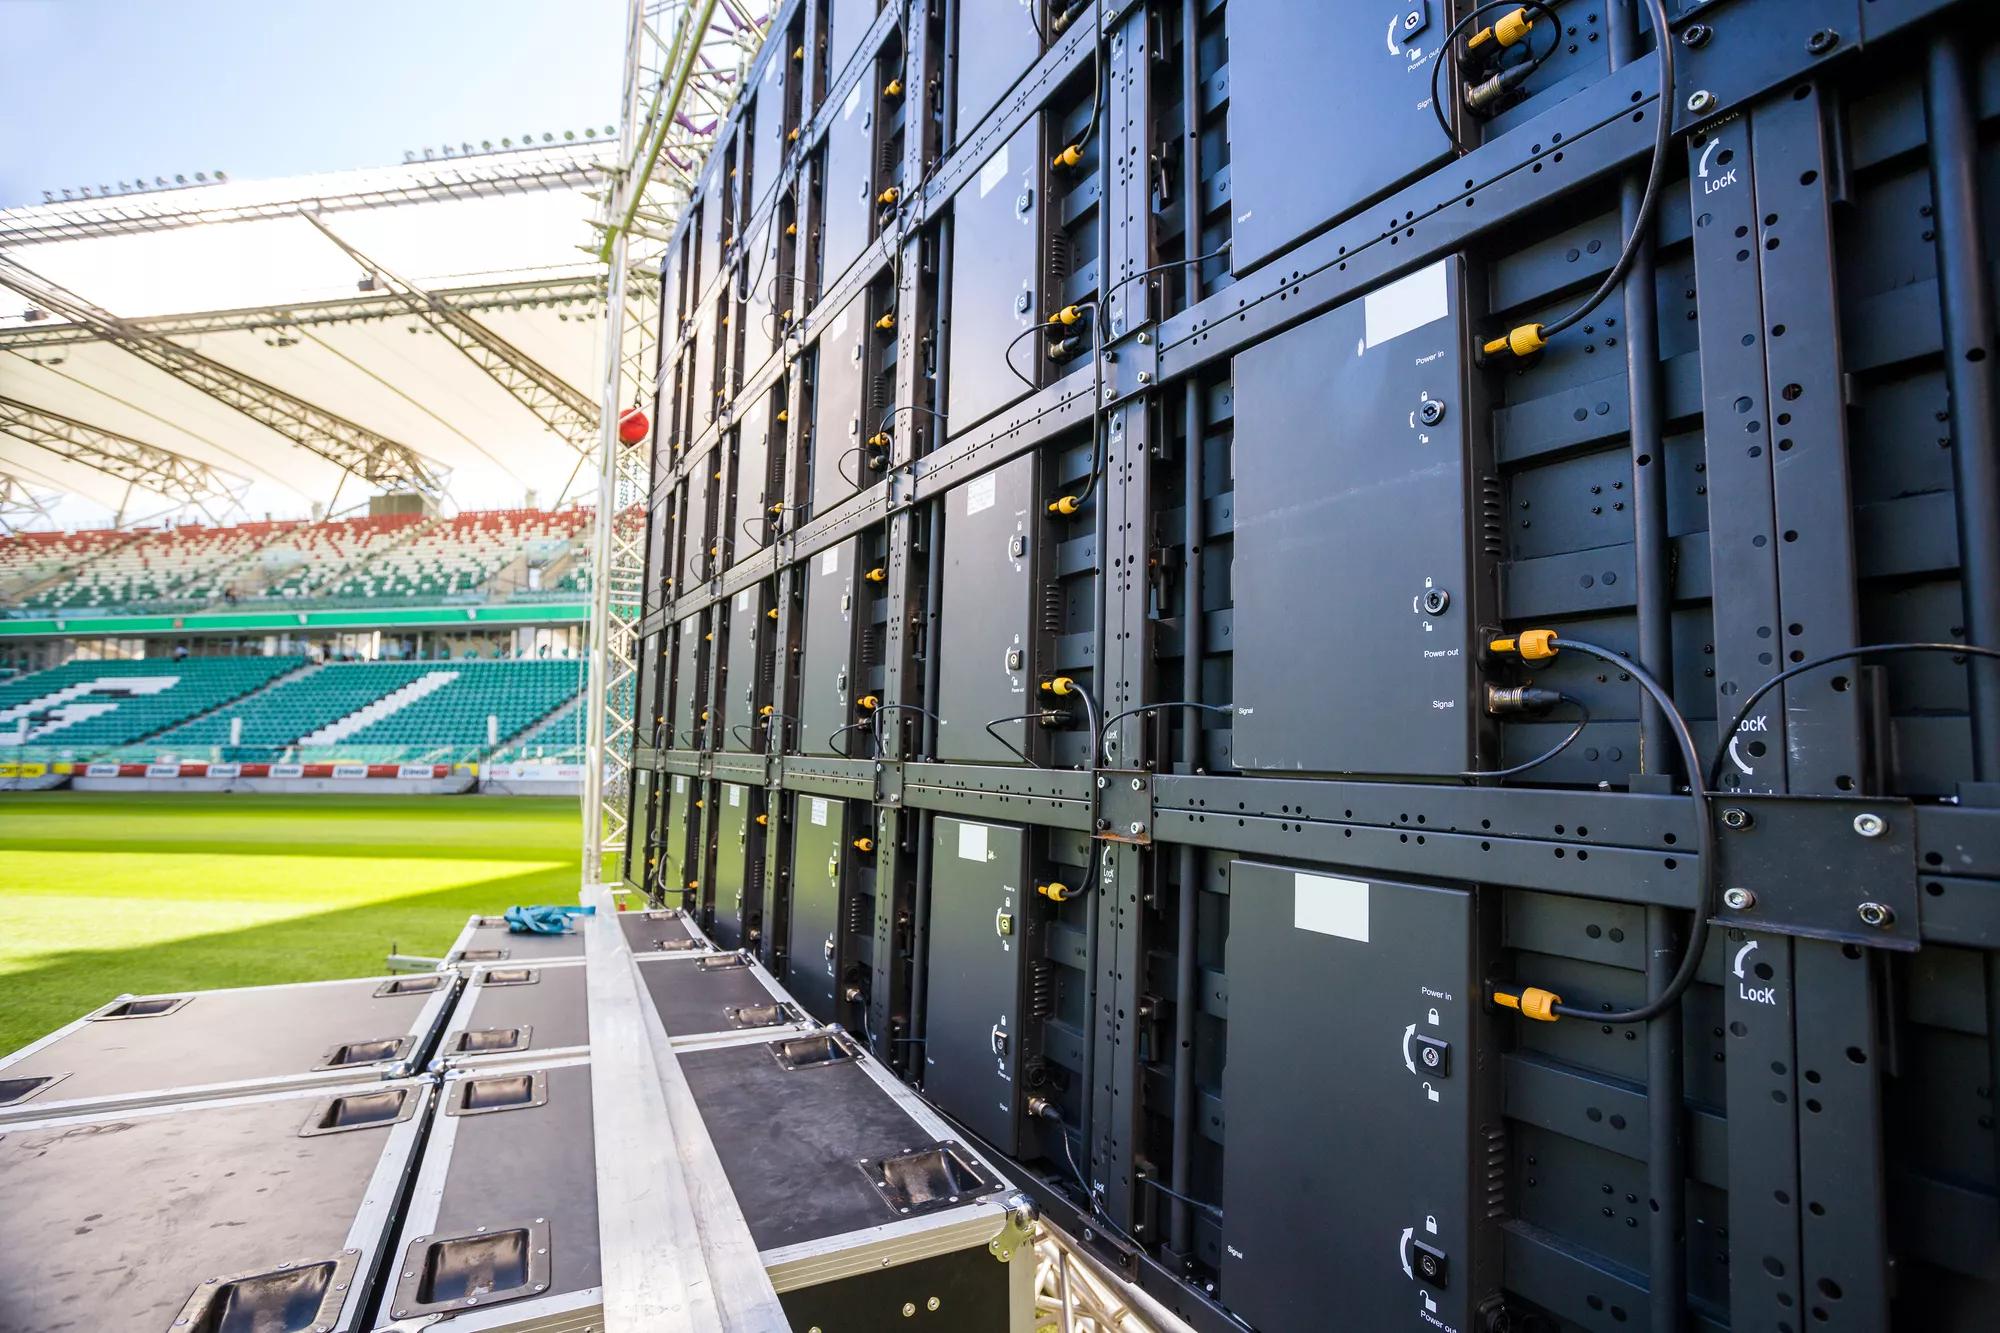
<point x="707" y="638"/>
<point x="1523" y="341"/>
<point x="793" y="137"/>
<point x="876" y="575"/>
<point x="791" y="229"/>
<point x="799" y="51"/>
<point x="1534" y="1002"/>
<point x="763" y="820"/>
<point x="1508" y="30"/>
<point x="1068" y="504"/>
<point x="1069" y="314"/>
<point x="1056" y="891"/>
<point x="889" y="196"/>
<point x="779" y="507"/>
<point x="864" y="844"/>
<point x="765" y="711"/>
<point x="867" y="702"/>
<point x="772" y="614"/>
<point x="1530" y="645"/>
<point x="879" y="440"/>
<point x="784" y="415"/>
<point x="694" y="883"/>
<point x="698" y="805"/>
<point x="886" y="322"/>
<point x="1069" y="156"/>
<point x="894" y="88"/>
<point x="1060" y="685"/>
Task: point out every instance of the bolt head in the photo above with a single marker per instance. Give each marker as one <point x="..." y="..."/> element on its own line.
<point x="1145" y="377"/>
<point x="1700" y="101"/>
<point x="1739" y="900"/>
<point x="1822" y="41"/>
<point x="1737" y="818"/>
<point x="1870" y="825"/>
<point x="1137" y="828"/>
<point x="1879" y="916"/>
<point x="1138" y="784"/>
<point x="1696" y="34"/>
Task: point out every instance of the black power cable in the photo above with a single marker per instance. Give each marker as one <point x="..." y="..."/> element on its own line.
<point x="1447" y="47"/>
<point x="1751" y="700"/>
<point x="1704" y="833"/>
<point x="1582" y="721"/>
<point x="1532" y="336"/>
<point x="1116" y="718"/>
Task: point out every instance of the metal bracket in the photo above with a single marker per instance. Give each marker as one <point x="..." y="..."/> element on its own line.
<point x="1122" y="806"/>
<point x="889" y="783"/>
<point x="1017" y="1227"/>
<point x="1825" y="867"/>
<point x="923" y="1180"/>
<point x="482" y="1256"/>
<point x="282" y="1287"/>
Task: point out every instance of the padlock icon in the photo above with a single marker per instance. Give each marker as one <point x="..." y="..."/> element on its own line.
<point x="1431" y="1223"/>
<point x="1434" y="1017"/>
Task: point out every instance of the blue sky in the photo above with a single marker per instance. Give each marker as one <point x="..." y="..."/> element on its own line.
<point x="98" y="91"/>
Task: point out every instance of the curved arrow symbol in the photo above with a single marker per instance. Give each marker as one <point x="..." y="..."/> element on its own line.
<point x="1713" y="144"/>
<point x="1408" y="1033"/>
<point x="1403" y="1251"/>
<point x="1736" y="758"/>
<point x="1741" y="954"/>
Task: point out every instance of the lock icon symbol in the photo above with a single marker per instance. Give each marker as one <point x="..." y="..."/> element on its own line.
<point x="1434" y="1017"/>
<point x="1431" y="1224"/>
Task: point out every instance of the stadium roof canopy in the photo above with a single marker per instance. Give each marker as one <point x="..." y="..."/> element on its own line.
<point x="234" y="349"/>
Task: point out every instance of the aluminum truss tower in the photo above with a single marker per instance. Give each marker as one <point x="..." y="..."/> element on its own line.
<point x="684" y="61"/>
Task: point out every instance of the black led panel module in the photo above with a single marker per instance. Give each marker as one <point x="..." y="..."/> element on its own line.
<point x="986" y="634"/>
<point x="826" y="691"/>
<point x="995" y="299"/>
<point x="1355" y="576"/>
<point x="1350" y="1122"/>
<point x="812" y="953"/>
<point x="979" y="941"/>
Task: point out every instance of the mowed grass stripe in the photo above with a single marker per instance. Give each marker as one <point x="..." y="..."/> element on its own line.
<point x="107" y="894"/>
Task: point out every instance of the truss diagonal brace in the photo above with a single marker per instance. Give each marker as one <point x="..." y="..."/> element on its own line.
<point x="134" y="462"/>
<point x="552" y="400"/>
<point x="374" y="458"/>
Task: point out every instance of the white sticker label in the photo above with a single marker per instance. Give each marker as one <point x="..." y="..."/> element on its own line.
<point x="680" y="782"/>
<point x="743" y="600"/>
<point x="993" y="172"/>
<point x="972" y="842"/>
<point x="735" y="795"/>
<point x="853" y="101"/>
<point x="819" y="810"/>
<point x="829" y="563"/>
<point x="979" y="494"/>
<point x="1405" y="304"/>
<point x="841" y="321"/>
<point x="1331" y="906"/>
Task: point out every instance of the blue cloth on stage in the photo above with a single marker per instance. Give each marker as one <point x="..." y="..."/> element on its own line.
<point x="544" y="920"/>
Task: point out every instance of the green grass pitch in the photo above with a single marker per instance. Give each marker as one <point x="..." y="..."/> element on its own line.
<point x="106" y="894"/>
